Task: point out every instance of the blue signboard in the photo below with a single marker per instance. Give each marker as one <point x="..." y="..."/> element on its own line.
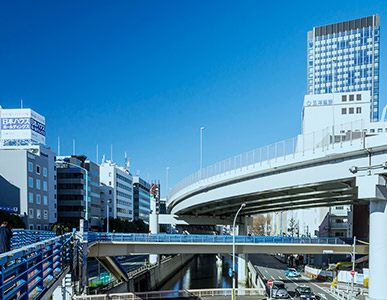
<point x="23" y="123"/>
<point x="9" y="209"/>
<point x="230" y="272"/>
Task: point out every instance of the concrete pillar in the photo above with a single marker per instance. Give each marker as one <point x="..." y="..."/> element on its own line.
<point x="242" y="258"/>
<point x="153" y="227"/>
<point x="219" y="271"/>
<point x="64" y="291"/>
<point x="373" y="188"/>
<point x="242" y="270"/>
<point x="378" y="249"/>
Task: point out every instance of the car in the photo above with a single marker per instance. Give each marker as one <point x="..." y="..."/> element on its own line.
<point x="291" y="272"/>
<point x="305" y="293"/>
<point x="279" y="290"/>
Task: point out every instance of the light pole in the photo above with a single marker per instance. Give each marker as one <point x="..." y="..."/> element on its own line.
<point x="233" y="250"/>
<point x="86" y="221"/>
<point x="166" y="175"/>
<point x="333" y="104"/>
<point x="201" y="151"/>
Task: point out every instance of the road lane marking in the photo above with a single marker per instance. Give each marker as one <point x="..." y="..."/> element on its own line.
<point x="279" y="277"/>
<point x="322" y="295"/>
<point x="293" y="282"/>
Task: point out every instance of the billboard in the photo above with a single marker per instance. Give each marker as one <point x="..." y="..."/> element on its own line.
<point x="22" y="124"/>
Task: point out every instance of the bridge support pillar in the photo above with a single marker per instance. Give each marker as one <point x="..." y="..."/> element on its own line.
<point x="373" y="188"/>
<point x="64" y="291"/>
<point x="242" y="261"/>
<point x="242" y="270"/>
<point x="154" y="229"/>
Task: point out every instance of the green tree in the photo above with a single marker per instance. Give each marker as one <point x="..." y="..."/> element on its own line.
<point x="14" y="220"/>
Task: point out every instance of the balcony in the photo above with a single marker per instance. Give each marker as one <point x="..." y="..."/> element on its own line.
<point x="339" y="226"/>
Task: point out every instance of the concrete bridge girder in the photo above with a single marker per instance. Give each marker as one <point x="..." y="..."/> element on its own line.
<point x="137" y="248"/>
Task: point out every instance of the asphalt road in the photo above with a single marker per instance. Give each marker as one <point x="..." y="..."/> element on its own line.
<point x="273" y="269"/>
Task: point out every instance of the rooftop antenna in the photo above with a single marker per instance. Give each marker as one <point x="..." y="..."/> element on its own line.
<point x="97" y="154"/>
<point x="21" y="103"/>
<point x="58" y="145"/>
<point x="111" y="152"/>
<point x="73" y="146"/>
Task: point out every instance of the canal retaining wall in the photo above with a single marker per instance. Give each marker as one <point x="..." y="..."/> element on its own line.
<point x="151" y="277"/>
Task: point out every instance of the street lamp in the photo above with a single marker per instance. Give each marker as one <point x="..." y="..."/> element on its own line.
<point x="201" y="151"/>
<point x="86" y="221"/>
<point x="233" y="250"/>
<point x="333" y="103"/>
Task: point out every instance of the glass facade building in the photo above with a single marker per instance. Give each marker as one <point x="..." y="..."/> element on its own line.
<point x="344" y="57"/>
<point x="141" y="197"/>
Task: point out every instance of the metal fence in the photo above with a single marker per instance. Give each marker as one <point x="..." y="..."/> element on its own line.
<point x="321" y="141"/>
<point x="24" y="237"/>
<point x="26" y="273"/>
<point x="176" y="294"/>
<point x="199" y="238"/>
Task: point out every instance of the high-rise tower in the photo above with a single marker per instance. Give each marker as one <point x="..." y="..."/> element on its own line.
<point x="345" y="56"/>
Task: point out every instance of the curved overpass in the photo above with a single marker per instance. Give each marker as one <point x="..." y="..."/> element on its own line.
<point x="309" y="175"/>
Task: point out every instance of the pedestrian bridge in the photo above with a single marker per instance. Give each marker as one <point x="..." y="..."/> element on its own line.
<point x="121" y="244"/>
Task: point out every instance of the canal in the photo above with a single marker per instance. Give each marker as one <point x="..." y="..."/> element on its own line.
<point x="201" y="273"/>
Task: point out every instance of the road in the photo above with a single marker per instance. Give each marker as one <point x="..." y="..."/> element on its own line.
<point x="273" y="269"/>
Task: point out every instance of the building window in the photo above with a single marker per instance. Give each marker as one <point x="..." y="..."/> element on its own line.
<point x="344" y="98"/>
<point x="38" y="227"/>
<point x="38" y="184"/>
<point x="54" y="215"/>
<point x="45" y="172"/>
<point x="31" y="198"/>
<point x="45" y="185"/>
<point x="38" y="214"/>
<point x="38" y="199"/>
<point x="31" y="227"/>
<point x="343" y="111"/>
<point x="37" y="169"/>
<point x="45" y="227"/>
<point x="351" y="97"/>
<point x="31" y="213"/>
<point x="30" y="182"/>
<point x="30" y="166"/>
<point x="45" y="200"/>
<point x="358" y="110"/>
<point x="351" y="110"/>
<point x="110" y="192"/>
<point x="358" y="97"/>
<point x="45" y="214"/>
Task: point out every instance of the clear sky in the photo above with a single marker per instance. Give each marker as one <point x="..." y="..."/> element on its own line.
<point x="146" y="75"/>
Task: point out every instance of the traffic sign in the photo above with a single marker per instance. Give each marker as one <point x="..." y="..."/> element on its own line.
<point x="353" y="273"/>
<point x="270" y="282"/>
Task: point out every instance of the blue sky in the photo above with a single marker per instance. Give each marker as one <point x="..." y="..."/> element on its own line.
<point x="146" y="75"/>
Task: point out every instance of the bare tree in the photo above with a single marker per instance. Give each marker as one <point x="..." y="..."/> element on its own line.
<point x="293" y="229"/>
<point x="259" y="224"/>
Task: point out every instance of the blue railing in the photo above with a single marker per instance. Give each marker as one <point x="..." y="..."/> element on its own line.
<point x="199" y="238"/>
<point x="23" y="237"/>
<point x="26" y="273"/>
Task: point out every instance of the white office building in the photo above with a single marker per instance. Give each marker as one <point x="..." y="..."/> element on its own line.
<point x="121" y="181"/>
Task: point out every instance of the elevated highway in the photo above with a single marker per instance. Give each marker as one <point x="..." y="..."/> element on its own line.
<point x="316" y="177"/>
